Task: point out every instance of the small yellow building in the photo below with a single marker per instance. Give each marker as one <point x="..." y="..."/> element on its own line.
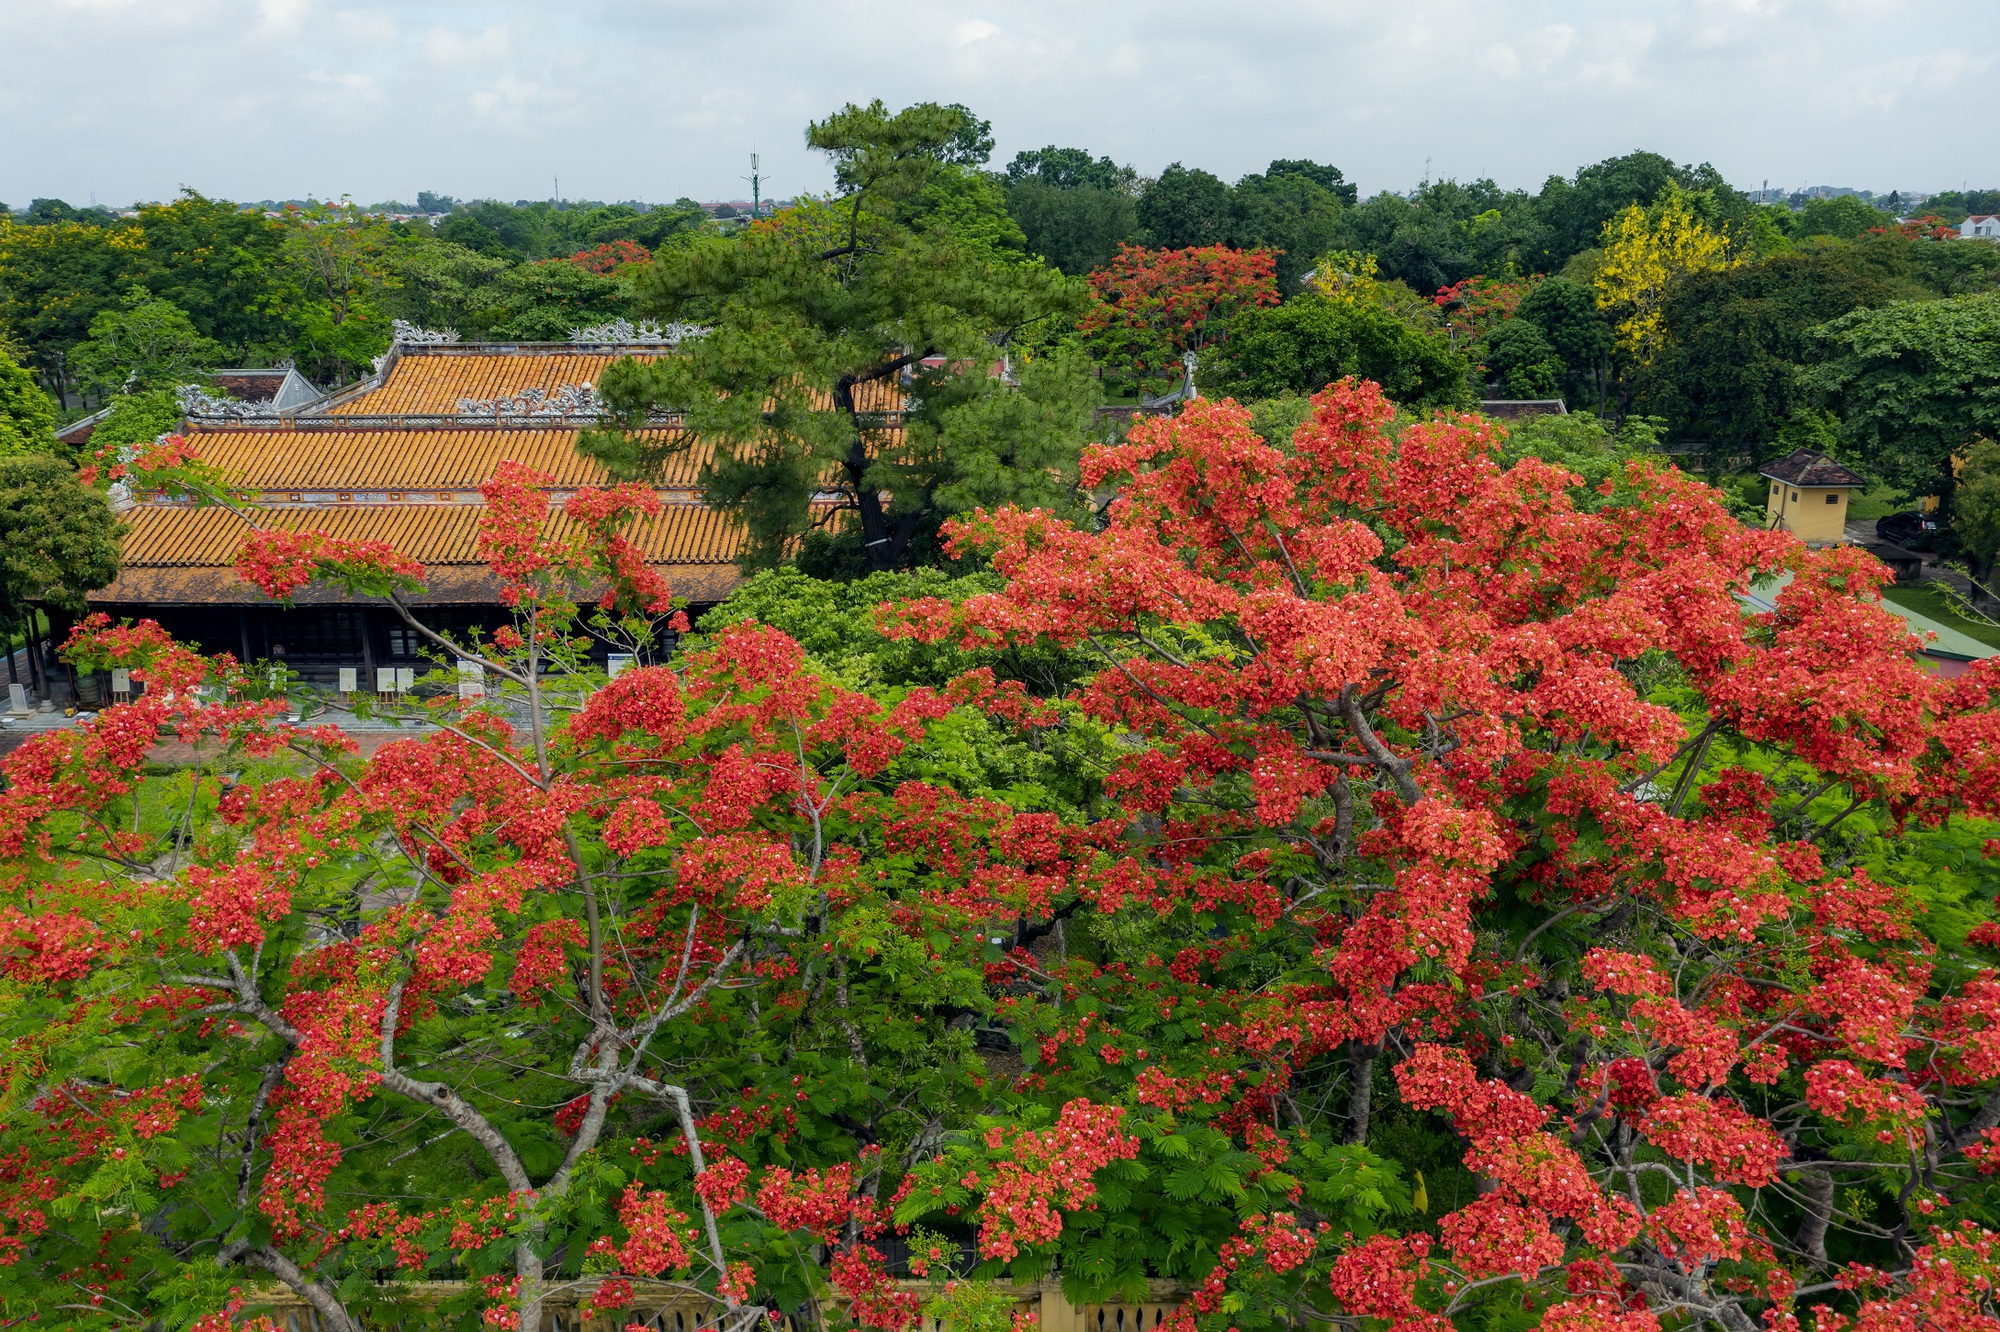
<point x="1809" y="494"/>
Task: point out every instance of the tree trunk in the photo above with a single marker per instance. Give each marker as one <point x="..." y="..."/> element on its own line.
<point x="884" y="539"/>
<point x="38" y="668"/>
<point x="1361" y="1096"/>
<point x="1817" y="1185"/>
<point x="1983" y="594"/>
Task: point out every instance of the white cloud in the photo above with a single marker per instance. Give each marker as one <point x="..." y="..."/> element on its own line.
<point x="442" y="46"/>
<point x="347" y="86"/>
<point x="281" y="18"/>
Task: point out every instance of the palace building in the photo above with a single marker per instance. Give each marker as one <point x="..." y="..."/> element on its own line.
<point x="400" y="458"/>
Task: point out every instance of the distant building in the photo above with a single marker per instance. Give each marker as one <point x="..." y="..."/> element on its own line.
<point x="400" y="458"/>
<point x="280" y="389"/>
<point x="1515" y="409"/>
<point x="1984" y="226"/>
<point x="1809" y="494"/>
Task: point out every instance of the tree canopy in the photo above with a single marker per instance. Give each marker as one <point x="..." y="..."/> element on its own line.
<point x="57" y="539"/>
<point x="1914" y="383"/>
<point x="903" y="282"/>
<point x="27" y="417"/>
<point x="1315" y="340"/>
<point x="1420" y="891"/>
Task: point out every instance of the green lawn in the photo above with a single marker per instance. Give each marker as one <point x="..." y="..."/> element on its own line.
<point x="1925" y="599"/>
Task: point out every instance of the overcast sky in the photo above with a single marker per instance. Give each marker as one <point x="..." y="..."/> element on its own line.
<point x="652" y="99"/>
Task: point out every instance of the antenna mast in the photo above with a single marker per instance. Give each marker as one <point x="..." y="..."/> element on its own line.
<point x="756" y="183"/>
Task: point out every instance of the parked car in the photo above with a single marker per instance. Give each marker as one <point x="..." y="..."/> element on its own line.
<point x="1910" y="530"/>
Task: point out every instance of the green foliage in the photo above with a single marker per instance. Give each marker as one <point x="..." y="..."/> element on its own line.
<point x="835" y="623"/>
<point x="970" y="1306"/>
<point x="543" y="302"/>
<point x="219" y="262"/>
<point x="1076" y="228"/>
<point x="1311" y="341"/>
<point x="441" y="285"/>
<point x="838" y="300"/>
<point x="1976" y="514"/>
<point x="1954" y="205"/>
<point x="1069" y="169"/>
<point x="972" y="206"/>
<point x="1566" y="313"/>
<point x="1595" y="449"/>
<point x="1522" y="361"/>
<point x="27" y="417"/>
<point x="468" y="232"/>
<point x="1732" y="368"/>
<point x="1076" y="211"/>
<point x="1185" y="209"/>
<point x="1446" y="231"/>
<point x="1843" y="217"/>
<point x="57" y="540"/>
<point x="1294" y="210"/>
<point x="149" y="344"/>
<point x="1914" y="382"/>
<point x="136" y="418"/>
<point x="977" y="448"/>
<point x="55" y="279"/>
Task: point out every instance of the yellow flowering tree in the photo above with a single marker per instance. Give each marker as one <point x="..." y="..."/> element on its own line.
<point x="1644" y="252"/>
<point x="1346" y="275"/>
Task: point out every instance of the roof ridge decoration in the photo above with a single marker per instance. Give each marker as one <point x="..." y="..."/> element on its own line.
<point x="625" y="333"/>
<point x="194" y="400"/>
<point x="565" y="400"/>
<point x="410" y="335"/>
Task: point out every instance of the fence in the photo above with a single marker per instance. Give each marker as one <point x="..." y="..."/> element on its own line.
<point x="669" y="1311"/>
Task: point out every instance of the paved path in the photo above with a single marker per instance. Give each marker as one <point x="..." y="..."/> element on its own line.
<point x="369" y="735"/>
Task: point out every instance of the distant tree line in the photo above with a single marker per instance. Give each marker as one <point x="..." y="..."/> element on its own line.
<point x="1653" y="294"/>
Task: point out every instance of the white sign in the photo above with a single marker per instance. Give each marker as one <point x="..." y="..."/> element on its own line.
<point x="350" y="679"/>
<point x="406" y="679"/>
<point x="121" y="681"/>
<point x="621" y="662"/>
<point x="17" y="699"/>
<point x="385" y="679"/>
<point x="471" y="679"/>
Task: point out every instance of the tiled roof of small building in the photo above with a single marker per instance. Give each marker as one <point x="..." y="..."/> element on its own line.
<point x="250" y="385"/>
<point x="1807" y="467"/>
<point x="1513" y="409"/>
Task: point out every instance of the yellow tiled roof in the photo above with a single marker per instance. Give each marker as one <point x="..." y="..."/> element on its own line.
<point x="162" y="534"/>
<point x="281" y="458"/>
<point x="381" y="465"/>
<point x="425" y="381"/>
<point x="189" y="554"/>
<point x="431" y="380"/>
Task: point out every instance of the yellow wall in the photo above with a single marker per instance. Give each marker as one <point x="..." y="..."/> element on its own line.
<point x="1811" y="513"/>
